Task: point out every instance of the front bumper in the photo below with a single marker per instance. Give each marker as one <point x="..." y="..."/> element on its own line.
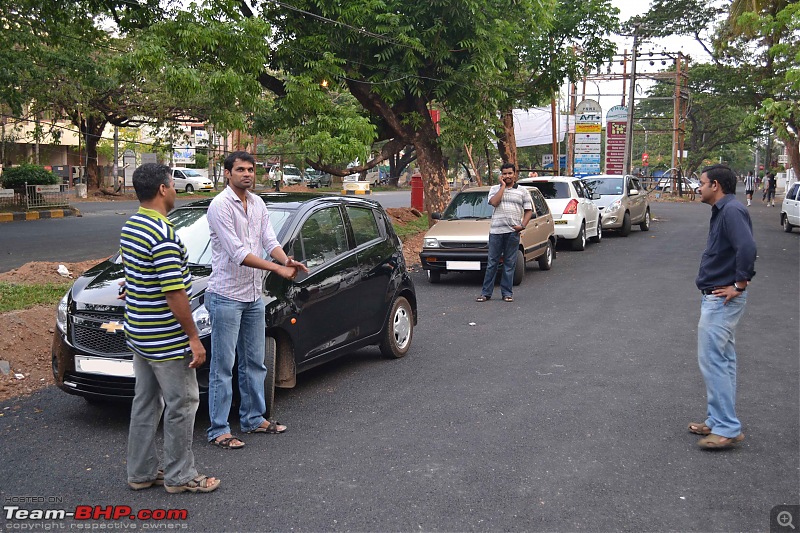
<point x="613" y="220"/>
<point x="438" y="258"/>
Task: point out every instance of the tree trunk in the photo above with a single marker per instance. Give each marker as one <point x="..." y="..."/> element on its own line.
<point x="793" y="149"/>
<point x="431" y="165"/>
<point x="507" y="141"/>
<point x="91" y="130"/>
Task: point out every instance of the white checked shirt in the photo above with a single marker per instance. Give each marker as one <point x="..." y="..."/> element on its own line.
<point x="509" y="213"/>
<point x="234" y="234"/>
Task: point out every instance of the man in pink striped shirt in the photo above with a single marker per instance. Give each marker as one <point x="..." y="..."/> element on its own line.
<point x="241" y="236"/>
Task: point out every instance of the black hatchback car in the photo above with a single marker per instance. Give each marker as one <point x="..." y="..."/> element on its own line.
<point x="357" y="293"/>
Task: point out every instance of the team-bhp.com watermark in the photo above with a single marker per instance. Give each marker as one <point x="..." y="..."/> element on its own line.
<point x="45" y="517"/>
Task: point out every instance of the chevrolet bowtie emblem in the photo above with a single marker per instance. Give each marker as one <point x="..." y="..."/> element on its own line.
<point x="112" y="327"/>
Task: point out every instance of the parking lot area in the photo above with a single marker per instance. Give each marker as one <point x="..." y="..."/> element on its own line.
<point x="565" y="410"/>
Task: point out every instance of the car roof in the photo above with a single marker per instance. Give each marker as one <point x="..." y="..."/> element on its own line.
<point x="293" y="200"/>
<point x="545" y="179"/>
<point x="608" y="176"/>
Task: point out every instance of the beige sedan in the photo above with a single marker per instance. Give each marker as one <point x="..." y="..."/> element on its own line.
<point x="459" y="242"/>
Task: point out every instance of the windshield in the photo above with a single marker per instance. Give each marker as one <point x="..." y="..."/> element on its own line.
<point x="192" y="228"/>
<point x="192" y="173"/>
<point x="550" y="189"/>
<point x="469" y="205"/>
<point x="605" y="186"/>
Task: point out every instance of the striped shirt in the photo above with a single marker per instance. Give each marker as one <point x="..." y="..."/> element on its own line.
<point x="749" y="183"/>
<point x="155" y="262"/>
<point x="234" y="234"/>
<point x="509" y="213"/>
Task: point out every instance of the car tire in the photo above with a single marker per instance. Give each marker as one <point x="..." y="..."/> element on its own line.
<point x="399" y="330"/>
<point x="625" y="230"/>
<point x="519" y="269"/>
<point x="787" y="227"/>
<point x="270" y="351"/>
<point x="645" y="225"/>
<point x="434" y="276"/>
<point x="599" y="235"/>
<point x="579" y="243"/>
<point x="188" y="188"/>
<point x="546" y="259"/>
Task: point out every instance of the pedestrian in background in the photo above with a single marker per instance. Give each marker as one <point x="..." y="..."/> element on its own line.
<point x="726" y="268"/>
<point x="513" y="209"/>
<point x="769" y="189"/>
<point x="161" y="332"/>
<point x="241" y="236"/>
<point x="749" y="187"/>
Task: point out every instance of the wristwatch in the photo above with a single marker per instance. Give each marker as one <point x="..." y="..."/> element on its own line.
<point x="742" y="289"/>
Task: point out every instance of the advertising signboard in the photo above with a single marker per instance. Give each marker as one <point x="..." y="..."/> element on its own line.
<point x="616" y="126"/>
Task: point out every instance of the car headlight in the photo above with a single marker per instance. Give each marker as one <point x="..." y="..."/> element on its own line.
<point x="614" y="207"/>
<point x="61" y="313"/>
<point x="431" y="242"/>
<point x="202" y="320"/>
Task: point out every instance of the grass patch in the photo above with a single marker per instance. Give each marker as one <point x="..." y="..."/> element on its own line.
<point x="16" y="296"/>
<point x="412" y="228"/>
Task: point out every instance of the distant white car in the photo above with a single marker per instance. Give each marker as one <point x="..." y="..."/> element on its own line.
<point x="790" y="208"/>
<point x="574" y="214"/>
<point x="292" y="175"/>
<point x="190" y="180"/>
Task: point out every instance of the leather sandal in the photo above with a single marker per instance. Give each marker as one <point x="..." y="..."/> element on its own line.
<point x="482" y="298"/>
<point x="200" y="483"/>
<point x="273" y="428"/>
<point x="228" y="444"/>
<point x="715" y="442"/>
<point x="699" y="428"/>
<point x="157" y="482"/>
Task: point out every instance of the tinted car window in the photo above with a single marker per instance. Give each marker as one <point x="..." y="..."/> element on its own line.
<point x="538" y="202"/>
<point x="322" y="238"/>
<point x="551" y="190"/>
<point x="579" y="189"/>
<point x="362" y="220"/>
<point x="469" y="205"/>
<point x="608" y="186"/>
<point x="793" y="193"/>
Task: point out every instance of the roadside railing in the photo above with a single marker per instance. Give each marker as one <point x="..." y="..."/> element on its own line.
<point x="38" y="196"/>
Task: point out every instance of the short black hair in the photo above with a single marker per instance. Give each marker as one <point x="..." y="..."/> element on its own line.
<point x="508" y="165"/>
<point x="148" y="178"/>
<point x="241" y="155"/>
<point x="723" y="175"/>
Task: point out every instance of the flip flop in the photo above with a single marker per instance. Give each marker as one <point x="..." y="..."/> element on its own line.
<point x="482" y="298"/>
<point x="227" y="443"/>
<point x="200" y="483"/>
<point x="714" y="442"/>
<point x="508" y="299"/>
<point x="699" y="428"/>
<point x="158" y="481"/>
<point x="272" y="428"/>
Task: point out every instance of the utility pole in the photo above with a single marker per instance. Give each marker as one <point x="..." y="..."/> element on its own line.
<point x="115" y="168"/>
<point x="626" y="167"/>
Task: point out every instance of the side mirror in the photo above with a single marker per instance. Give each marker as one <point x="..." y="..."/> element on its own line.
<point x="436" y="215"/>
<point x="634" y="192"/>
<point x="595" y="196"/>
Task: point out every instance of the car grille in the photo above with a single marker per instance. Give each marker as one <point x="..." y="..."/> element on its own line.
<point x="449" y="244"/>
<point x="88" y="337"/>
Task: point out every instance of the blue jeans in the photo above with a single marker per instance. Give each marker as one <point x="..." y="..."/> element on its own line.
<point x="716" y="354"/>
<point x="236" y="327"/>
<point x="159" y="384"/>
<point x="505" y="245"/>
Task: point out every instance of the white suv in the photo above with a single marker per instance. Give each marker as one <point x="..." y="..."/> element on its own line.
<point x="574" y="214"/>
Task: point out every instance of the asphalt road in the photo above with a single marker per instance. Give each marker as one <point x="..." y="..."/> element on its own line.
<point x="96" y="233"/>
<point x="563" y="411"/>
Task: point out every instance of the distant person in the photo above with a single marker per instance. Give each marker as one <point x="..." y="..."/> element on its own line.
<point x="241" y="236"/>
<point x="769" y="189"/>
<point x="513" y="209"/>
<point x="277" y="178"/>
<point x="161" y="332"/>
<point x="749" y="187"/>
<point x="726" y="268"/>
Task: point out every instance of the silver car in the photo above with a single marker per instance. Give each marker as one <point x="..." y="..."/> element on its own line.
<point x="623" y="201"/>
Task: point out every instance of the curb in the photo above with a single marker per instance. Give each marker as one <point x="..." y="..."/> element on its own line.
<point x="38" y="215"/>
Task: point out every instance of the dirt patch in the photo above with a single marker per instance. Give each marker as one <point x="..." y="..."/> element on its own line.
<point x="26" y="336"/>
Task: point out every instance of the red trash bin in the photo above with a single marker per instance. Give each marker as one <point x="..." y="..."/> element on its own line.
<point x="417" y="192"/>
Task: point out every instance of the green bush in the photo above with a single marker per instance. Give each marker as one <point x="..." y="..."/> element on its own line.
<point x="200" y="160"/>
<point x="15" y="177"/>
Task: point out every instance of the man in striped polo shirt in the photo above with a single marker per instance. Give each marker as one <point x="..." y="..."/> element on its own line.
<point x="241" y="238"/>
<point x="161" y="332"/>
<point x="749" y="187"/>
<point x="513" y="209"/>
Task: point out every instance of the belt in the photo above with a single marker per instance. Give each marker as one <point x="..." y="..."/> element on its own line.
<point x="709" y="291"/>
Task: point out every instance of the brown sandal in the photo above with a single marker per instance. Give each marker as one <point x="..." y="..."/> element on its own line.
<point x="157" y="482"/>
<point x="200" y="483"/>
<point x="699" y="428"/>
<point x="715" y="442"/>
<point x="482" y="298"/>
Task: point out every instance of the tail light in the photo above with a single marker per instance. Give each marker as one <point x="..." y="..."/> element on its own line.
<point x="572" y="207"/>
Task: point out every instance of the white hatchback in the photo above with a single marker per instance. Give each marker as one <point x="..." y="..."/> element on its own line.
<point x="574" y="214"/>
<point x="190" y="180"/>
<point x="790" y="209"/>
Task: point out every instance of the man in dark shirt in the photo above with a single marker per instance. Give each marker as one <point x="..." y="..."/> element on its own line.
<point x="725" y="271"/>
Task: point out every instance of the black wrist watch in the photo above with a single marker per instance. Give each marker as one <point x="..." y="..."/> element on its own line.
<point x="735" y="286"/>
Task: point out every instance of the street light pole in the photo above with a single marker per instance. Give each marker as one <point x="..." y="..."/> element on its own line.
<point x="626" y="166"/>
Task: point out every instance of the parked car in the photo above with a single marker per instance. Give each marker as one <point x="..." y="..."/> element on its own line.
<point x="790" y="208"/>
<point x="190" y="180"/>
<point x="460" y="239"/>
<point x="689" y="184"/>
<point x="357" y="293"/>
<point x="292" y="175"/>
<point x="574" y="214"/>
<point x="623" y="201"/>
<point x="316" y="178"/>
